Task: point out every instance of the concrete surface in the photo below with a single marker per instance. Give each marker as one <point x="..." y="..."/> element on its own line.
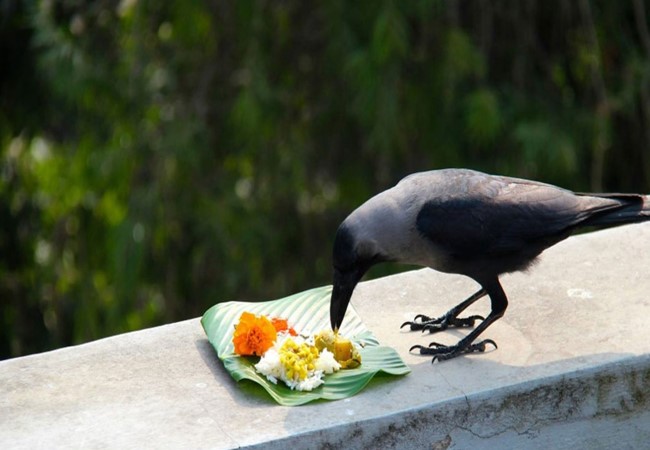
<point x="572" y="371"/>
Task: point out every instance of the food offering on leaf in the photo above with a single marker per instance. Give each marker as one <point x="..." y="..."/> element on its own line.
<point x="301" y="362"/>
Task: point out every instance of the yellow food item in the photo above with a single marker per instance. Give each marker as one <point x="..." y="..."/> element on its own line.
<point x="343" y="350"/>
<point x="298" y="359"/>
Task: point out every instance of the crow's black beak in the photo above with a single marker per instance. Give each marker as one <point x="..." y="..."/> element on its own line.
<point x="344" y="284"/>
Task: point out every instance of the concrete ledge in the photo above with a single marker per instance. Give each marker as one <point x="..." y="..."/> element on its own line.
<point x="572" y="370"/>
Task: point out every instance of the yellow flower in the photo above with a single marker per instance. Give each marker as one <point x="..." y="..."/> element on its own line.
<point x="254" y="335"/>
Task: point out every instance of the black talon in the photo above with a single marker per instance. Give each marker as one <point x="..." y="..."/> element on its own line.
<point x="442" y="352"/>
<point x="483" y="343"/>
<point x="413" y="324"/>
<point x="450" y="319"/>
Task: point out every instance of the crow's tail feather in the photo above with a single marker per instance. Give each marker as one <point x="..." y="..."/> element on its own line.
<point x="632" y="208"/>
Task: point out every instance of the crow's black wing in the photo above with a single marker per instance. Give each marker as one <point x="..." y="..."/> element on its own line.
<point x="477" y="215"/>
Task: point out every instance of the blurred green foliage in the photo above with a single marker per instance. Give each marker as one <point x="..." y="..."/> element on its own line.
<point x="159" y="157"/>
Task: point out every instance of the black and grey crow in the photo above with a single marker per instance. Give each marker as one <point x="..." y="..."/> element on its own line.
<point x="469" y="223"/>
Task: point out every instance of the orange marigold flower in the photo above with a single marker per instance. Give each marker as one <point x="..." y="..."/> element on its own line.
<point x="283" y="325"/>
<point x="254" y="335"/>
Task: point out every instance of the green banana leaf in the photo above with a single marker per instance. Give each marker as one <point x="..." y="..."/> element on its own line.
<point x="308" y="313"/>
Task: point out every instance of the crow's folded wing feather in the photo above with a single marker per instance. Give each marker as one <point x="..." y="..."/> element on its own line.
<point x="481" y="215"/>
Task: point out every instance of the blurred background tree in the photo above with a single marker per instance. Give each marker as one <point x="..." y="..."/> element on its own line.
<point x="159" y="157"/>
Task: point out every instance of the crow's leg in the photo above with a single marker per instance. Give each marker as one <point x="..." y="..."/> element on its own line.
<point x="466" y="345"/>
<point x="449" y="319"/>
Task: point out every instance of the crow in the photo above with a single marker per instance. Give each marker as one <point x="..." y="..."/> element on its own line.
<point x="465" y="222"/>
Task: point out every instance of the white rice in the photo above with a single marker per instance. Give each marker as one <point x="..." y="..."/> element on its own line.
<point x="271" y="367"/>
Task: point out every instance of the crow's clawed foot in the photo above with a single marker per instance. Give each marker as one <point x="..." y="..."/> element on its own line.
<point x="432" y="325"/>
<point x="419" y="321"/>
<point x="442" y="352"/>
